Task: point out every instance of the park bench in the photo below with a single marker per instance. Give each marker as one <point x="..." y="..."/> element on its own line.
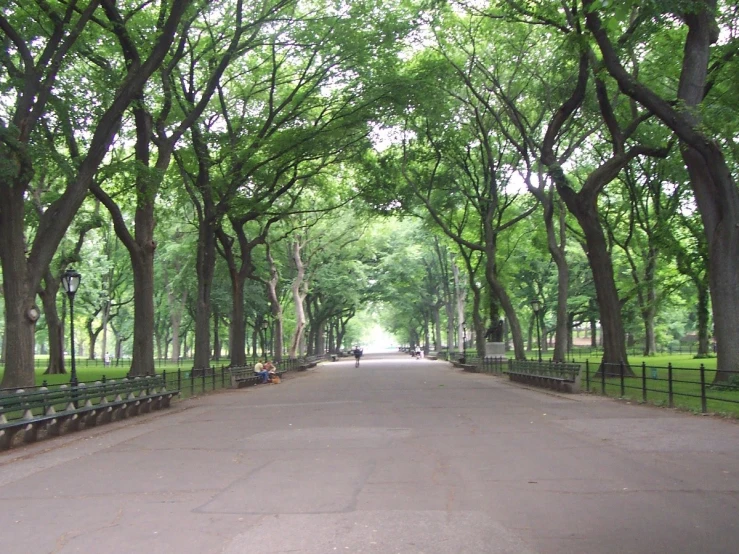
<point x="467" y="363"/>
<point x="245" y="376"/>
<point x="554" y="375"/>
<point x="51" y="411"/>
<point x="309" y="362"/>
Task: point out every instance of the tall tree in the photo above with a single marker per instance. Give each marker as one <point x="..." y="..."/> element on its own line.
<point x="711" y="176"/>
<point x="41" y="43"/>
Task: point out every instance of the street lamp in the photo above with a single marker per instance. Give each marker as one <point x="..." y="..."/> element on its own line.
<point x="265" y="326"/>
<point x="536" y="306"/>
<point x="70" y="282"/>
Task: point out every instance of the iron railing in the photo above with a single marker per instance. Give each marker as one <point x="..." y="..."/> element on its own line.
<point x="672" y="386"/>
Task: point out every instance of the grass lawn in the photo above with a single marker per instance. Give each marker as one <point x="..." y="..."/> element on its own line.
<point x="652" y="384"/>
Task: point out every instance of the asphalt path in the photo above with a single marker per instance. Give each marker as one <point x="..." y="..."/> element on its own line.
<point x="398" y="456"/>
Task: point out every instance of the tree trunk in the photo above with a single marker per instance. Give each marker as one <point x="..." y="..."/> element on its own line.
<point x="460" y="295"/>
<point x="609" y="305"/>
<point x="54" y="326"/>
<point x="238" y="323"/>
<point x="19" y="291"/>
<point x="530" y="332"/>
<point x="275" y="306"/>
<point x="206" y="264"/>
<point x="513" y="323"/>
<point x="702" y="309"/>
<point x="437" y="327"/>
<point x="562" y="339"/>
<point x="718" y="202"/>
<point x="142" y="263"/>
<point x="298" y="298"/>
<point x="593" y="333"/>
<point x="175" y="318"/>
<point x="216" y="337"/>
<point x="570" y="330"/>
<point x="93" y="338"/>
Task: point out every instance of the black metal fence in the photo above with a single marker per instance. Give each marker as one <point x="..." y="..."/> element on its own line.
<point x="682" y="387"/>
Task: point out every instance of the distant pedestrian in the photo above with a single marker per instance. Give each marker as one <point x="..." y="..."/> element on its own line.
<point x="106" y="359"/>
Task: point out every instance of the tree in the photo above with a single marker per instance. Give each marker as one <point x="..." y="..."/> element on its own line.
<point x="42" y="43"/>
<point x="713" y="184"/>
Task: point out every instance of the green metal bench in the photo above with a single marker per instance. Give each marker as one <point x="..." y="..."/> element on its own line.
<point x="53" y="411"/>
<point x="554" y="375"/>
<point x="467" y="363"/>
<point x="245" y="376"/>
<point x="309" y="362"/>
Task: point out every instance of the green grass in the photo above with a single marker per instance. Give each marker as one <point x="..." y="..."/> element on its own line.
<point x="686" y="384"/>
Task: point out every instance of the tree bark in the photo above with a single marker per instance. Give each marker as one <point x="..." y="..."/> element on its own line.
<point x="205" y="269"/>
<point x="702" y="309"/>
<point x="609" y="305"/>
<point x="460" y="295"/>
<point x="176" y="307"/>
<point x="142" y="264"/>
<point x="298" y="292"/>
<point x="649" y="310"/>
<point x="54" y="325"/>
<point x="275" y="306"/>
<point x="19" y="291"/>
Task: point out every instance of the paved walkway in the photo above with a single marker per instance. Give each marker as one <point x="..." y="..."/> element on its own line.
<point x="400" y="456"/>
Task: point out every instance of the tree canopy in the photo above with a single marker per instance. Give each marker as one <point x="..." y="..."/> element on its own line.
<point x="245" y="176"/>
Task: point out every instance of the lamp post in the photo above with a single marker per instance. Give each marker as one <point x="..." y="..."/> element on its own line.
<point x="536" y="306"/>
<point x="265" y="326"/>
<point x="70" y="282"/>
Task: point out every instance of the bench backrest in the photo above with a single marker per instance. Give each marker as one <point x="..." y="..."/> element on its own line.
<point x="557" y="369"/>
<point x="22" y="402"/>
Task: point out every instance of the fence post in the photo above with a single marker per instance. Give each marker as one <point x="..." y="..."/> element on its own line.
<point x="213" y="377"/>
<point x="621" y="371"/>
<point x="669" y="385"/>
<point x="179" y="378"/>
<point x="164" y="379"/>
<point x="644" y="381"/>
<point x="587" y="374"/>
<point x="704" y="408"/>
